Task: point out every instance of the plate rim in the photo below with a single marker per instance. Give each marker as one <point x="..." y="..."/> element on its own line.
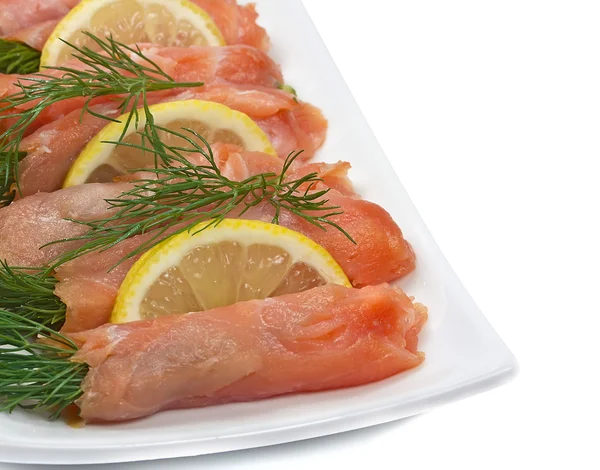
<point x="40" y="455"/>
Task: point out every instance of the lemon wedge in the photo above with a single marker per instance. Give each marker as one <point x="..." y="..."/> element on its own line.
<point x="234" y="261"/>
<point x="101" y="162"/>
<point x="163" y="22"/>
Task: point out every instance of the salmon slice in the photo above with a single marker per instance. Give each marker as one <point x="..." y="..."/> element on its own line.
<point x="334" y="175"/>
<point x="89" y="287"/>
<point x="236" y="65"/>
<point x="52" y="149"/>
<point x="90" y="273"/>
<point x="302" y="128"/>
<point x="291" y="125"/>
<point x="380" y="252"/>
<point x="238" y="165"/>
<point x="34" y="21"/>
<point x="35" y="35"/>
<point x="236" y="22"/>
<point x="380" y="255"/>
<point x="258" y="102"/>
<point x="28" y="224"/>
<point x="249" y="351"/>
<point x="35" y="220"/>
<point x="19" y="14"/>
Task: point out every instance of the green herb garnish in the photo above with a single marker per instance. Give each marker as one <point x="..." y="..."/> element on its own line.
<point x="37" y="376"/>
<point x="30" y="293"/>
<point x="287" y="88"/>
<point x="16" y="57"/>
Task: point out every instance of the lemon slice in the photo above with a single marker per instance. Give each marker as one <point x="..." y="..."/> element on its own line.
<point x="163" y="22"/>
<point x="234" y="261"/>
<point x="101" y="162"/>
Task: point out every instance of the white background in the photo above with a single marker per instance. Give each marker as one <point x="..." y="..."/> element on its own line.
<point x="490" y="113"/>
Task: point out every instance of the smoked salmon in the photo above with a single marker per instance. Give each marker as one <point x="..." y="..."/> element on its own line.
<point x="52" y="149"/>
<point x="28" y="224"/>
<point x="381" y="253"/>
<point x="249" y="351"/>
<point x="236" y="22"/>
<point x="89" y="287"/>
<point x="19" y="14"/>
<point x="35" y="220"/>
<point x="291" y="126"/>
<point x="235" y="65"/>
<point x="36" y="35"/>
<point x="238" y="165"/>
<point x="34" y="21"/>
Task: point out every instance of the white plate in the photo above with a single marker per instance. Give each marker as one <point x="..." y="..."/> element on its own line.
<point x="464" y="354"/>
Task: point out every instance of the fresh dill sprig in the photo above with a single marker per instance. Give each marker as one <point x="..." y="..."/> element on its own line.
<point x="38" y="376"/>
<point x="7" y="193"/>
<point x="29" y="292"/>
<point x="181" y="194"/>
<point x="112" y="71"/>
<point x="16" y="57"/>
